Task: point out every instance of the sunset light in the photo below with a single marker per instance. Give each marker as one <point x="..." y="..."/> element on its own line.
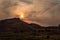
<point x="22" y="16"/>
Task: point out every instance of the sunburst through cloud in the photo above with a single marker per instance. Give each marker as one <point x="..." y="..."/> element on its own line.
<point x="45" y="12"/>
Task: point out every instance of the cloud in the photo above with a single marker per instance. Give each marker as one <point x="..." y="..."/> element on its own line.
<point x="43" y="11"/>
<point x="12" y="8"/>
<point x="46" y="11"/>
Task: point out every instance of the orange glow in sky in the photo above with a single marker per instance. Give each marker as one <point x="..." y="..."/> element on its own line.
<point x="22" y="16"/>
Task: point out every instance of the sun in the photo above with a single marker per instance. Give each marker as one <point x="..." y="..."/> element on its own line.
<point x="22" y="16"/>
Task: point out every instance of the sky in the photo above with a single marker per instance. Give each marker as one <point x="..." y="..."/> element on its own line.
<point x="42" y="11"/>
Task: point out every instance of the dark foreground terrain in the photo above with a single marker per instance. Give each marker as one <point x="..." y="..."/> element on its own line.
<point x="16" y="29"/>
